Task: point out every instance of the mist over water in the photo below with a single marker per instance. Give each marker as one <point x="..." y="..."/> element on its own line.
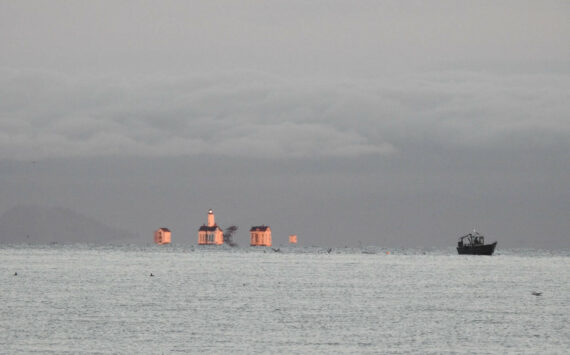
<point x="80" y="299"/>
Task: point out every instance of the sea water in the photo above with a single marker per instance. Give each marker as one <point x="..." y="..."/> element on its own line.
<point x="102" y="300"/>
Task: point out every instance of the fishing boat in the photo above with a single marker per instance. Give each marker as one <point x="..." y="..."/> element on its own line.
<point x="474" y="244"/>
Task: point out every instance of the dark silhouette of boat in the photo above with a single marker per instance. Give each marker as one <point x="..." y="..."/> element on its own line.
<point x="474" y="244"/>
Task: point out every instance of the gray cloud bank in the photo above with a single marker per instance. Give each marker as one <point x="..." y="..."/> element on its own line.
<point x="252" y="114"/>
<point x="409" y="161"/>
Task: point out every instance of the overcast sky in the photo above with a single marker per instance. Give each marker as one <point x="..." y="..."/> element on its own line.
<point x="397" y="123"/>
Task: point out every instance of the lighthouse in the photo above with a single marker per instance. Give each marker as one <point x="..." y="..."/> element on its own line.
<point x="210" y="234"/>
<point x="211" y="219"/>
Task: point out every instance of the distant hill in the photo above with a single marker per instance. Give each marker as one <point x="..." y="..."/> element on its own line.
<point x="43" y="225"/>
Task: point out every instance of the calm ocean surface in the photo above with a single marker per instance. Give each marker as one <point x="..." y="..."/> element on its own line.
<point x="101" y="300"/>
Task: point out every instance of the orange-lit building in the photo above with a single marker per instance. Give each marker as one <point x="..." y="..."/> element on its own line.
<point x="162" y="236"/>
<point x="210" y="234"/>
<point x="293" y="239"/>
<point x="260" y="236"/>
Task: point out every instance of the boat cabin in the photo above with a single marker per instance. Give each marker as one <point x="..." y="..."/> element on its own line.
<point x="471" y="239"/>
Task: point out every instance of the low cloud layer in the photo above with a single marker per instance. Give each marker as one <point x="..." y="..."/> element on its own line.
<point x="251" y="114"/>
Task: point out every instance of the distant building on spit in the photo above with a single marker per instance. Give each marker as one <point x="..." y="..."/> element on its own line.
<point x="260" y="236"/>
<point x="210" y="234"/>
<point x="293" y="239"/>
<point x="162" y="236"/>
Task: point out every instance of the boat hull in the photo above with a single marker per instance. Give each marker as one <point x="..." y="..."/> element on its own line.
<point x="487" y="249"/>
